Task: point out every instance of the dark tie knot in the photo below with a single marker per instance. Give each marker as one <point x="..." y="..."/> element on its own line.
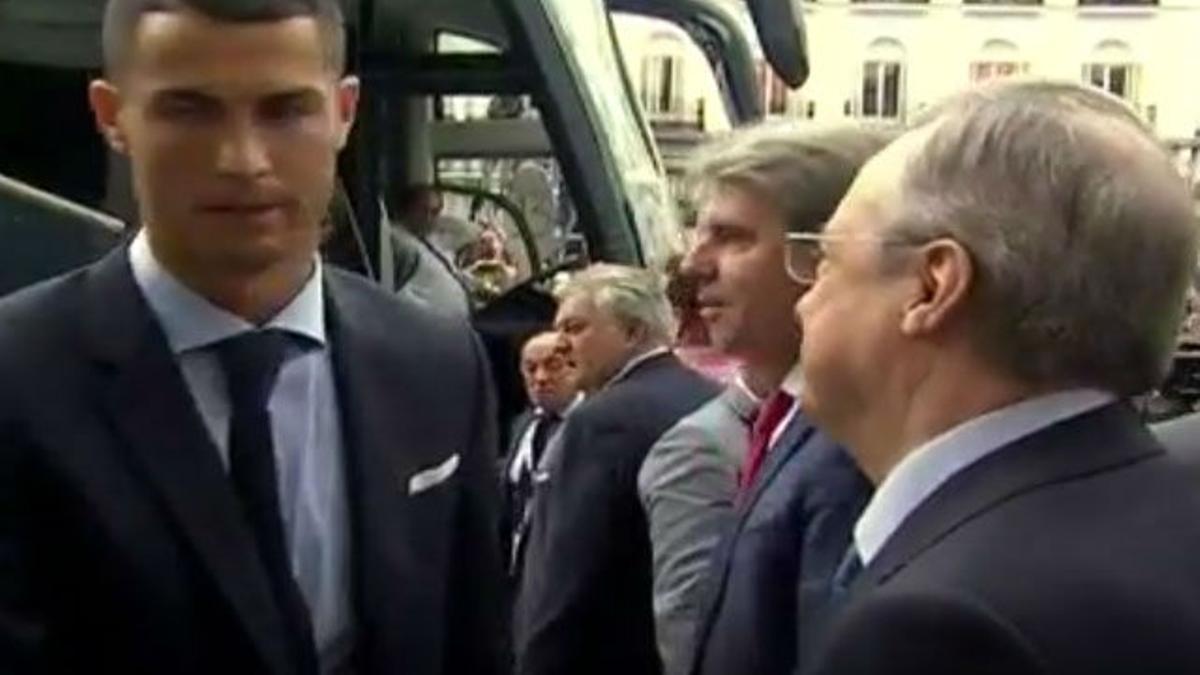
<point x="251" y="362"/>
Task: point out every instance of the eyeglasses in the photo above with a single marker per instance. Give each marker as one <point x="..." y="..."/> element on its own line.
<point x="806" y="250"/>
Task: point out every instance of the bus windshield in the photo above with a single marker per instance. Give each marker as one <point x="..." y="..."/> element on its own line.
<point x="585" y="32"/>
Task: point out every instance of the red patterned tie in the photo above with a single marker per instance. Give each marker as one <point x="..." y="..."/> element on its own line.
<point x="769" y="416"/>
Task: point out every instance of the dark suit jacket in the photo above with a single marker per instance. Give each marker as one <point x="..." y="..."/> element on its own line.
<point x="512" y="519"/>
<point x="585" y="604"/>
<point x="1072" y="551"/>
<point x="508" y="516"/>
<point x="791" y="532"/>
<point x="122" y="545"/>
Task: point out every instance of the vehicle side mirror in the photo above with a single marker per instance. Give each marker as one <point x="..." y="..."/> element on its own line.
<point x="780" y="26"/>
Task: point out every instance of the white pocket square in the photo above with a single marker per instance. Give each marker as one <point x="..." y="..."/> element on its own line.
<point x="423" y="480"/>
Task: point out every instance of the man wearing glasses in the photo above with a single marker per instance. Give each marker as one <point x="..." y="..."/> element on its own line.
<point x="746" y="467"/>
<point x="994" y="286"/>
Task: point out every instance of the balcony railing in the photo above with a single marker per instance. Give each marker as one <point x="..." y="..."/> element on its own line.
<point x="1002" y="2"/>
<point x="1118" y="3"/>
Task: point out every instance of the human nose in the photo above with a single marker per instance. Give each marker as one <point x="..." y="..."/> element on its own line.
<point x="243" y="151"/>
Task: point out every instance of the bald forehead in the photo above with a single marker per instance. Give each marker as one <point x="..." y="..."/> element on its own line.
<point x="540" y="346"/>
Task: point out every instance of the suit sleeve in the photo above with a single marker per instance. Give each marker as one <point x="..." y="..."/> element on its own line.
<point x="476" y="643"/>
<point x="573" y="531"/>
<point x="22" y="625"/>
<point x="687" y="486"/>
<point x="911" y="633"/>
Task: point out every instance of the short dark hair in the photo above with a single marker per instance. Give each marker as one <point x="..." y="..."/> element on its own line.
<point x="121" y="19"/>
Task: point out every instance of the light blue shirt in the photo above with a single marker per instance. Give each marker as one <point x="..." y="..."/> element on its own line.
<point x="305" y="426"/>
<point x="926" y="469"/>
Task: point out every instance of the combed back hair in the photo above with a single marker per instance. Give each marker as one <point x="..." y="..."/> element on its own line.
<point x="121" y="18"/>
<point x="1082" y="232"/>
<point x="633" y="296"/>
<point x="804" y="170"/>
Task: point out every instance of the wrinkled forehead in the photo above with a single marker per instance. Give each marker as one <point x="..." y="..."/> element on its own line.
<point x="185" y="49"/>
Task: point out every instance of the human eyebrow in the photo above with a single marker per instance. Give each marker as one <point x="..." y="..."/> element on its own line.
<point x="293" y="102"/>
<point x="184" y="102"/>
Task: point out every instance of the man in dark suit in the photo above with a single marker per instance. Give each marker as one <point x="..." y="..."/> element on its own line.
<point x="779" y="504"/>
<point x="549" y="377"/>
<point x="218" y="455"/>
<point x="968" y="341"/>
<point x="585" y="601"/>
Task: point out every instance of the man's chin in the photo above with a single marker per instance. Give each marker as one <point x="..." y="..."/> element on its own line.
<point x="257" y="259"/>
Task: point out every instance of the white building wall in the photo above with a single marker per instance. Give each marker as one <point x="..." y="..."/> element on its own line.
<point x="941" y="39"/>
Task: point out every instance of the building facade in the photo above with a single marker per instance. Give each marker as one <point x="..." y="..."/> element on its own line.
<point x="886" y="61"/>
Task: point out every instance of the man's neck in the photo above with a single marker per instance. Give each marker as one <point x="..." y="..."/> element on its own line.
<point x="932" y="409"/>
<point x="255" y="297"/>
<point x="764" y="375"/>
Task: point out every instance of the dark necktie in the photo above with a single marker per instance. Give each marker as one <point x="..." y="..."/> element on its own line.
<point x="546" y="424"/>
<point x="251" y="362"/>
<point x="522" y="490"/>
<point x="768" y="419"/>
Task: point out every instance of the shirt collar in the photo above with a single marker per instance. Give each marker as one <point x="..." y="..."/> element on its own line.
<point x="739" y="381"/>
<point x="927" y="468"/>
<point x="634" y="363"/>
<point x="190" y="321"/>
<point x="793" y="382"/>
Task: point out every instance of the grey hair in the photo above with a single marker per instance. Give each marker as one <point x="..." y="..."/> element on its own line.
<point x="803" y="169"/>
<point x="1081" y="231"/>
<point x="635" y="297"/>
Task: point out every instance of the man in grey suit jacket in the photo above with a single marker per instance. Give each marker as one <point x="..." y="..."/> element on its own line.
<point x="1181" y="436"/>
<point x="752" y="189"/>
<point x="687" y="487"/>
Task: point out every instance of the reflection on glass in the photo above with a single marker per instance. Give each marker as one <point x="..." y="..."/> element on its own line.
<point x="585" y="33"/>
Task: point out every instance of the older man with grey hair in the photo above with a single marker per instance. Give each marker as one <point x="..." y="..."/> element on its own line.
<point x="585" y="600"/>
<point x="992" y="289"/>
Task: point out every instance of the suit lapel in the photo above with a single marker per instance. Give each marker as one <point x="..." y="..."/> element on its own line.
<point x="519" y="427"/>
<point x="148" y="400"/>
<point x="390" y="420"/>
<point x="789" y="442"/>
<point x="1094" y="441"/>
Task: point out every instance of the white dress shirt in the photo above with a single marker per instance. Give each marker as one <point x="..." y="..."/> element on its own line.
<point x="305" y="426"/>
<point x="792" y="385"/>
<point x="926" y="469"/>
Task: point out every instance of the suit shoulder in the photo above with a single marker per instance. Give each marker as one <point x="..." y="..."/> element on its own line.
<point x="708" y="439"/>
<point x="1181" y="436"/>
<point x="925" y="630"/>
<point x="34" y="316"/>
<point x="368" y="304"/>
<point x="667" y="379"/>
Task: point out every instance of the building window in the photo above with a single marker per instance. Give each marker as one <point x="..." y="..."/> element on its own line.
<point x="662" y="85"/>
<point x="997" y="59"/>
<point x="775" y="91"/>
<point x="1119" y="79"/>
<point x="882" y="90"/>
<point x="1086" y="3"/>
<point x="983" y="71"/>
